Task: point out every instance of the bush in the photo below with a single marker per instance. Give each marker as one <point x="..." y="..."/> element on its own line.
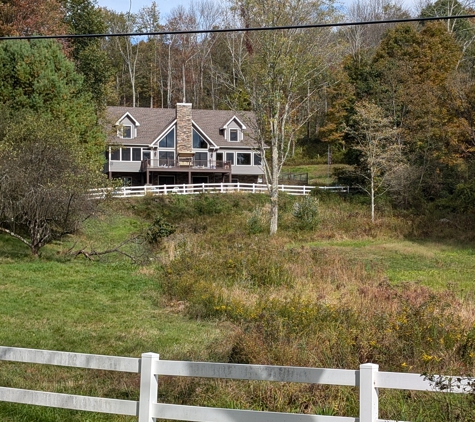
<point x="306" y="213"/>
<point x="158" y="230"/>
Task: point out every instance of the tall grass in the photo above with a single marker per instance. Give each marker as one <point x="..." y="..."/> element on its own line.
<point x="334" y="293"/>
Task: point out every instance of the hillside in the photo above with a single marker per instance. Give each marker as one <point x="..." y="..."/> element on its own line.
<point x="334" y="291"/>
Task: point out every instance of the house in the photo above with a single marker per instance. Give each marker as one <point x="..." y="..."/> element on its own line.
<point x="182" y="145"/>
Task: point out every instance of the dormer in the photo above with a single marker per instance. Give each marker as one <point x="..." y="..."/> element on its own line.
<point x="233" y="130"/>
<point x="127" y="126"/>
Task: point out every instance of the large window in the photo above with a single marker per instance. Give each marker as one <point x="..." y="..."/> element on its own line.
<point x="243" y="158"/>
<point x="166" y="158"/>
<point x="201" y="159"/>
<point x="168" y="141"/>
<point x="198" y="141"/>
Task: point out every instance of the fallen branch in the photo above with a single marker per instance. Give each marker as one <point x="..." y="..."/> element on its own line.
<point x="90" y="254"/>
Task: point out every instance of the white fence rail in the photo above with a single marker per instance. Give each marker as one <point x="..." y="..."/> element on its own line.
<point x="367" y="379"/>
<point x="185" y="189"/>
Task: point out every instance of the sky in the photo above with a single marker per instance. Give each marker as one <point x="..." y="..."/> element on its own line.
<point x="165" y="6"/>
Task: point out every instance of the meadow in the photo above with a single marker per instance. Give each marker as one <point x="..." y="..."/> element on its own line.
<point x="330" y="290"/>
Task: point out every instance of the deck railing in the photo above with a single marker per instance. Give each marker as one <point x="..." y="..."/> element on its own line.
<point x="190" y="189"/>
<point x="368" y="380"/>
<point x="164" y="163"/>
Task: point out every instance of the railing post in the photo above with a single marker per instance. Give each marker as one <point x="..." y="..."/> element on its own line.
<point x="148" y="386"/>
<point x="222" y="187"/>
<point x="369" y="406"/>
<point x="238" y="186"/>
<point x="253" y="188"/>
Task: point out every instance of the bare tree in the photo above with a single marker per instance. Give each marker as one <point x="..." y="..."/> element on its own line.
<point x="381" y="155"/>
<point x="275" y="71"/>
<point x="44" y="181"/>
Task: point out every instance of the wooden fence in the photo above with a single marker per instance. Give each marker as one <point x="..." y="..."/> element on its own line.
<point x="190" y="189"/>
<point x="368" y="379"/>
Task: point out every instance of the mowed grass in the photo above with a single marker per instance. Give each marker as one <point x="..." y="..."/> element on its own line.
<point x="109" y="306"/>
<point x="318" y="174"/>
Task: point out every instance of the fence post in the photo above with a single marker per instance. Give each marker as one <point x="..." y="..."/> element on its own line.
<point x="148" y="386"/>
<point x="369" y="406"/>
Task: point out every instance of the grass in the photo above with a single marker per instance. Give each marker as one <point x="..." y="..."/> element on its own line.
<point x="318" y="174"/>
<point x="109" y="307"/>
<point x="436" y="265"/>
<point x="220" y="289"/>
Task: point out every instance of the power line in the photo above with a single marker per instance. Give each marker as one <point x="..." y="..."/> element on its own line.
<point x="210" y="31"/>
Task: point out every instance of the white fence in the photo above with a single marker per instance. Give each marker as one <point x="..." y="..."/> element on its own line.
<point x="367" y="379"/>
<point x="185" y="189"/>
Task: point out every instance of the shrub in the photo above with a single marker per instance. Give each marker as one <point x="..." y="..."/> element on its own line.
<point x="306" y="213"/>
<point x="158" y="230"/>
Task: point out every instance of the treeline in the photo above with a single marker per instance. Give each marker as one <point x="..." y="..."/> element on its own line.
<point x="397" y="100"/>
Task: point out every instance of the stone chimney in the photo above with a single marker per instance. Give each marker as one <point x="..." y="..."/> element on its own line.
<point x="184" y="133"/>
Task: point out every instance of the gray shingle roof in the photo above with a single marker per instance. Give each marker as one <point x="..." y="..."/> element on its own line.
<point x="153" y="121"/>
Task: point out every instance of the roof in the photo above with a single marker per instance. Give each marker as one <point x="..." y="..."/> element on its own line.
<point x="153" y="122"/>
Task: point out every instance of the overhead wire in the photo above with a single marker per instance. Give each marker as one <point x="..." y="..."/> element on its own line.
<point x="226" y="30"/>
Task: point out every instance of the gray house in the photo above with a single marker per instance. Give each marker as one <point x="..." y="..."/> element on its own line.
<point x="182" y="145"/>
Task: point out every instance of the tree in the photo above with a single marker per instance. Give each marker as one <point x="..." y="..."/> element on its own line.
<point x="84" y="17"/>
<point x="51" y="145"/>
<point x="37" y="76"/>
<point x="44" y="180"/>
<point x="380" y="151"/>
<point x="278" y="69"/>
<point x="30" y="17"/>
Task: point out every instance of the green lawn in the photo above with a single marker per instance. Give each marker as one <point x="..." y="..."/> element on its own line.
<point x="109" y="307"/>
<point x="318" y="174"/>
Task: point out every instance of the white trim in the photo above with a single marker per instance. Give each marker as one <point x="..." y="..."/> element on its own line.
<point x="243" y="126"/>
<point x="130" y="116"/>
<point x="203" y="134"/>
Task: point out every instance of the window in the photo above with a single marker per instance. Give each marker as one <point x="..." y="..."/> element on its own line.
<point x="136" y="154"/>
<point x="243" y="158"/>
<point x="230" y="157"/>
<point x="257" y="159"/>
<point x="125" y="132"/>
<point x="146" y="154"/>
<point x="125" y="154"/>
<point x="166" y="158"/>
<point x="198" y="141"/>
<point x="200" y="179"/>
<point x="201" y="159"/>
<point x="233" y="135"/>
<point x="115" y="154"/>
<point x="166" y="180"/>
<point x="168" y="141"/>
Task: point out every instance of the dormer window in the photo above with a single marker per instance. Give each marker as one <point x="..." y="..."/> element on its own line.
<point x="125" y="132"/>
<point x="233" y="135"/>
